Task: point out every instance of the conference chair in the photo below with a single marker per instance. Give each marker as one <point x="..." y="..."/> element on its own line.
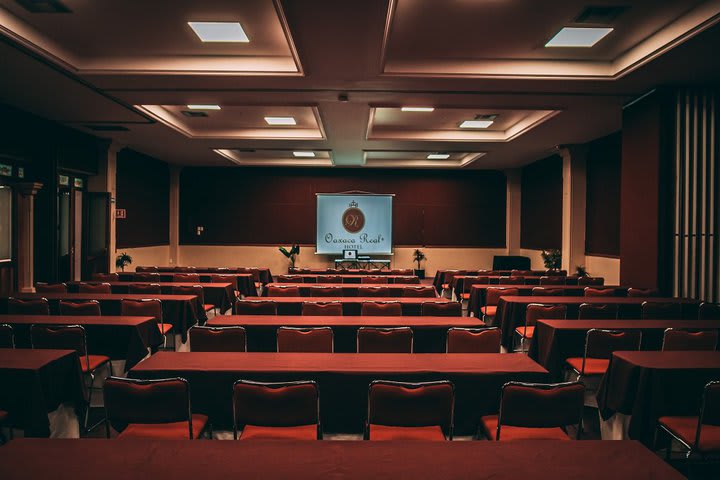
<point x="326" y="291"/>
<point x="402" y="271"/>
<point x="147" y="277"/>
<point x="158" y="409"/>
<point x="441" y="309"/>
<point x="385" y="340"/>
<point x="511" y="280"/>
<point x="51" y="288"/>
<point x="329" y="279"/>
<point x="150" y="307"/>
<point x="85" y="308"/>
<point x="407" y="280"/>
<point x="7" y="336"/>
<point x="94" y="288"/>
<point x="599" y="347"/>
<point x="556" y="273"/>
<point x="290" y="279"/>
<point x="473" y="340"/>
<point x="307" y="340"/>
<point x="642" y="292"/>
<point x="492" y="297"/>
<point x="598" y="292"/>
<point x="374" y="279"/>
<point x="468" y="284"/>
<point x="145" y="288"/>
<point x="5" y="423"/>
<point x="548" y="291"/>
<point x="592" y="281"/>
<point x="34" y="306"/>
<point x="410" y="411"/>
<point x="552" y="280"/>
<point x="598" y="311"/>
<point x="535" y="312"/>
<point x="709" y="311"/>
<point x="326" y="309"/>
<point x="536" y="411"/>
<point x="276" y="411"/>
<point x="217" y="339"/>
<point x="255" y="307"/>
<point x="196" y="290"/>
<point x="419" y="291"/>
<point x="678" y="339"/>
<point x="521" y="273"/>
<point x="374" y="291"/>
<point x="661" y="310"/>
<point x="186" y="277"/>
<point x="381" y="309"/>
<point x="283" y="291"/>
<point x="151" y="269"/>
<point x="106" y="277"/>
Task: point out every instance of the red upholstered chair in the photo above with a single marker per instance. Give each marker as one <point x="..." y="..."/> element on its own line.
<point x="217" y="339"/>
<point x="89" y="308"/>
<point x="7" y="336"/>
<point x="556" y="273"/>
<point x="548" y="291"/>
<point x="151" y="307"/>
<point x="329" y="279"/>
<point x="149" y="269"/>
<point x="701" y="434"/>
<point x="473" y="340"/>
<point x="642" y="292"/>
<point x="94" y="288"/>
<point x="145" y="288"/>
<point x="5" y="423"/>
<point x="536" y="411"/>
<point x="151" y="409"/>
<point x="255" y="307"/>
<point x="401" y="271"/>
<point x="283" y="291"/>
<point x="599" y="347"/>
<point x="375" y="291"/>
<point x="469" y="282"/>
<point x="441" y="309"/>
<point x="186" y="277"/>
<point x="385" y="340"/>
<point x="419" y="291"/>
<point x="521" y="273"/>
<point x="677" y="339"/>
<point x="276" y="411"/>
<point x="35" y="306"/>
<point x="326" y="291"/>
<point x="448" y="278"/>
<point x="599" y="292"/>
<point x="492" y="297"/>
<point x="51" y="288"/>
<point x="410" y="411"/>
<point x="709" y="311"/>
<point x="196" y="290"/>
<point x="326" y="309"/>
<point x="374" y="279"/>
<point x="308" y="340"/>
<point x="511" y="280"/>
<point x="106" y="277"/>
<point x="535" y="312"/>
<point x="595" y="311"/>
<point x="381" y="309"/>
<point x="147" y="277"/>
<point x="661" y="310"/>
<point x="407" y="280"/>
<point x="594" y="281"/>
<point x="290" y="279"/>
<point x="553" y="280"/>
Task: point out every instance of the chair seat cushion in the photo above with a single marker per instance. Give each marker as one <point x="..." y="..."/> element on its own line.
<point x="4" y="416"/>
<point x="302" y="432"/>
<point x="593" y="366"/>
<point x="174" y="430"/>
<point x="385" y="432"/>
<point x="528" y="332"/>
<point x="465" y="296"/>
<point x="686" y="429"/>
<point x="208" y="306"/>
<point x="445" y="286"/>
<point x="164" y="328"/>
<point x="489" y="311"/>
<point x="95" y="362"/>
<point x="507" y="433"/>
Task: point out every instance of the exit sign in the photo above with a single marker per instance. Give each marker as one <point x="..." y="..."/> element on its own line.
<point x="120" y="213"/>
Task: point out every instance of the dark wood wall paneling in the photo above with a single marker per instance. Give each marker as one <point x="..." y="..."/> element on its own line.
<point x="255" y="206"/>
<point x="143" y="190"/>
<point x="541" y="204"/>
<point x="602" y="228"/>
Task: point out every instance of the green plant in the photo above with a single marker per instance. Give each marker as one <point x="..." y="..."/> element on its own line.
<point x="291" y="254"/>
<point x="552" y="259"/>
<point x="122" y="260"/>
<point x="581" y="271"/>
<point x="418" y="256"/>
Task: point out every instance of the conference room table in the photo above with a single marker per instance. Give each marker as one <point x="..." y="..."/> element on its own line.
<point x="442" y="276"/>
<point x="556" y="340"/>
<point x="429" y="333"/>
<point x="649" y="385"/>
<point x="343" y="379"/>
<point x="356" y="279"/>
<point x="283" y="459"/>
<point x="351" y="290"/>
<point x="182" y="311"/>
<point x="34" y="383"/>
<point x="260" y="274"/>
<point x="348" y="271"/>
<point x="242" y="282"/>
<point x="221" y="295"/>
<point x="351" y="305"/>
<point x="126" y="338"/>
<point x="510" y="312"/>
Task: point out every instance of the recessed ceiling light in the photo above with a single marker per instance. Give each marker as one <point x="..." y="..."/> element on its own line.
<point x="417" y="109"/>
<point x="203" y="107"/>
<point x="280" y="120"/>
<point x="476" y="124"/>
<point x="438" y="156"/>
<point x="304" y="154"/>
<point x="578" y="36"/>
<point x="219" y="31"/>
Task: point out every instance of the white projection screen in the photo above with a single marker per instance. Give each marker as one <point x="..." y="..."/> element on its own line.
<point x="361" y="222"/>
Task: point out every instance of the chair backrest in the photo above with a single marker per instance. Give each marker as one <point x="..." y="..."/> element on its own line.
<point x="372" y="291"/>
<point x="385" y="340"/>
<point x="150" y="288"/>
<point x="196" y="290"/>
<point x="33" y="306"/>
<point x="709" y="311"/>
<point x="63" y="337"/>
<point x="710" y="408"/>
<point x="538" y="311"/>
<point x="548" y="291"/>
<point x="129" y="401"/>
<point x="326" y="291"/>
<point x="329" y="309"/>
<point x="147" y="269"/>
<point x="94" y="288"/>
<point x="329" y="279"/>
<point x="470" y="281"/>
<point x="286" y="404"/>
<point x="290" y="279"/>
<point x="402" y="271"/>
<point x="187" y="269"/>
<point x="595" y="281"/>
<point x="473" y="340"/>
<point x="255" y="307"/>
<point x="151" y="307"/>
<point x="283" y="291"/>
<point x="535" y="405"/>
<point x="553" y="280"/>
<point x="7" y="336"/>
<point x="598" y="292"/>
<point x="642" y="292"/>
<point x="592" y="311"/>
<point x="521" y="273"/>
<point x="374" y="279"/>
<point x="403" y="404"/>
<point x="186" y="277"/>
<point x="381" y="309"/>
<point x="407" y="280"/>
<point x="600" y="343"/>
<point x="661" y="310"/>
<point x="493" y="294"/>
<point x="506" y="280"/>
<point x="308" y="340"/>
<point x="88" y="307"/>
<point x="51" y="288"/>
<point x="419" y="291"/>
<point x="441" y="309"/>
<point x="218" y="339"/>
<point x="106" y="277"/>
<point x="677" y="339"/>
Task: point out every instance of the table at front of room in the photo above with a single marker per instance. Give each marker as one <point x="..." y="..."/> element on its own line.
<point x="649" y="385"/>
<point x="260" y="274"/>
<point x="348" y="290"/>
<point x="343" y="379"/>
<point x="429" y="333"/>
<point x="556" y="340"/>
<point x="34" y="383"/>
<point x="243" y="282"/>
<point x="511" y="309"/>
<point x="192" y="460"/>
<point x="351" y="305"/>
<point x="356" y="279"/>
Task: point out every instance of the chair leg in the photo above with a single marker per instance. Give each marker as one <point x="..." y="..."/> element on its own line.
<point x="89" y="402"/>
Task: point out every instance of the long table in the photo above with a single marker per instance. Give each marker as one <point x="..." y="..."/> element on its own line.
<point x="355" y="279"/>
<point x="242" y="282"/>
<point x="343" y="379"/>
<point x="351" y="305"/>
<point x="118" y="337"/>
<point x="345" y="271"/>
<point x="429" y="333"/>
<point x="260" y="274"/>
<point x="441" y="276"/>
<point x="34" y="383"/>
<point x="556" y="340"/>
<point x="348" y="290"/>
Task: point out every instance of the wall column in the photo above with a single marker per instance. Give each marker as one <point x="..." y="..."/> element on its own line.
<point x="513" y="205"/>
<point x="573" y="213"/>
<point x="25" y="235"/>
<point x="105" y="181"/>
<point x="174" y="252"/>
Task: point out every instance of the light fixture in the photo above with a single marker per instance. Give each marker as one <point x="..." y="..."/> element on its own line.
<point x="476" y="124"/>
<point x="280" y="120"/>
<point x="203" y="107"/>
<point x="578" y="36"/>
<point x="438" y="156"/>
<point x="417" y="109"/>
<point x="219" y="32"/>
<point x="303" y="154"/>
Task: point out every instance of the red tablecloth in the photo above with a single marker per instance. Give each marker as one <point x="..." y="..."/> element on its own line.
<point x="649" y="385"/>
<point x="242" y="282"/>
<point x="120" y="338"/>
<point x="356" y="278"/>
<point x="260" y="274"/>
<point x="192" y="460"/>
<point x="351" y="305"/>
<point x="429" y="333"/>
<point x="343" y="379"/>
<point x="441" y="276"/>
<point x="348" y="290"/>
<point x="34" y="383"/>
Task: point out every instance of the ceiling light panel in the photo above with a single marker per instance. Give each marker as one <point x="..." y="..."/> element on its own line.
<point x="303" y="154"/>
<point x="203" y="107"/>
<point x="219" y="32"/>
<point x="417" y="109"/>
<point x="438" y="156"/>
<point x="280" y="121"/>
<point x="582" y="37"/>
<point x="476" y="124"/>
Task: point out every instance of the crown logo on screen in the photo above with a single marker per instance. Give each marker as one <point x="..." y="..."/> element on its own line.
<point x="353" y="204"/>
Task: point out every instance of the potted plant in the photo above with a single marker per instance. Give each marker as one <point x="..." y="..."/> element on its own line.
<point x="291" y="254"/>
<point x="581" y="271"/>
<point x="419" y="256"/>
<point x="552" y="259"/>
<point x="122" y="260"/>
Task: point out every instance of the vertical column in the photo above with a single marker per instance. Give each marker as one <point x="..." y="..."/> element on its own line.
<point x="574" y="198"/>
<point x="105" y="181"/>
<point x="174" y="214"/>
<point x="513" y="205"/>
<point x="25" y="235"/>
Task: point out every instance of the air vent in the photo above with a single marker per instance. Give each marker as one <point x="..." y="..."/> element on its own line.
<point x="44" y="6"/>
<point x="191" y="113"/>
<point x="244" y="150"/>
<point x="107" y="128"/>
<point x="604" y="15"/>
<point x="490" y="117"/>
